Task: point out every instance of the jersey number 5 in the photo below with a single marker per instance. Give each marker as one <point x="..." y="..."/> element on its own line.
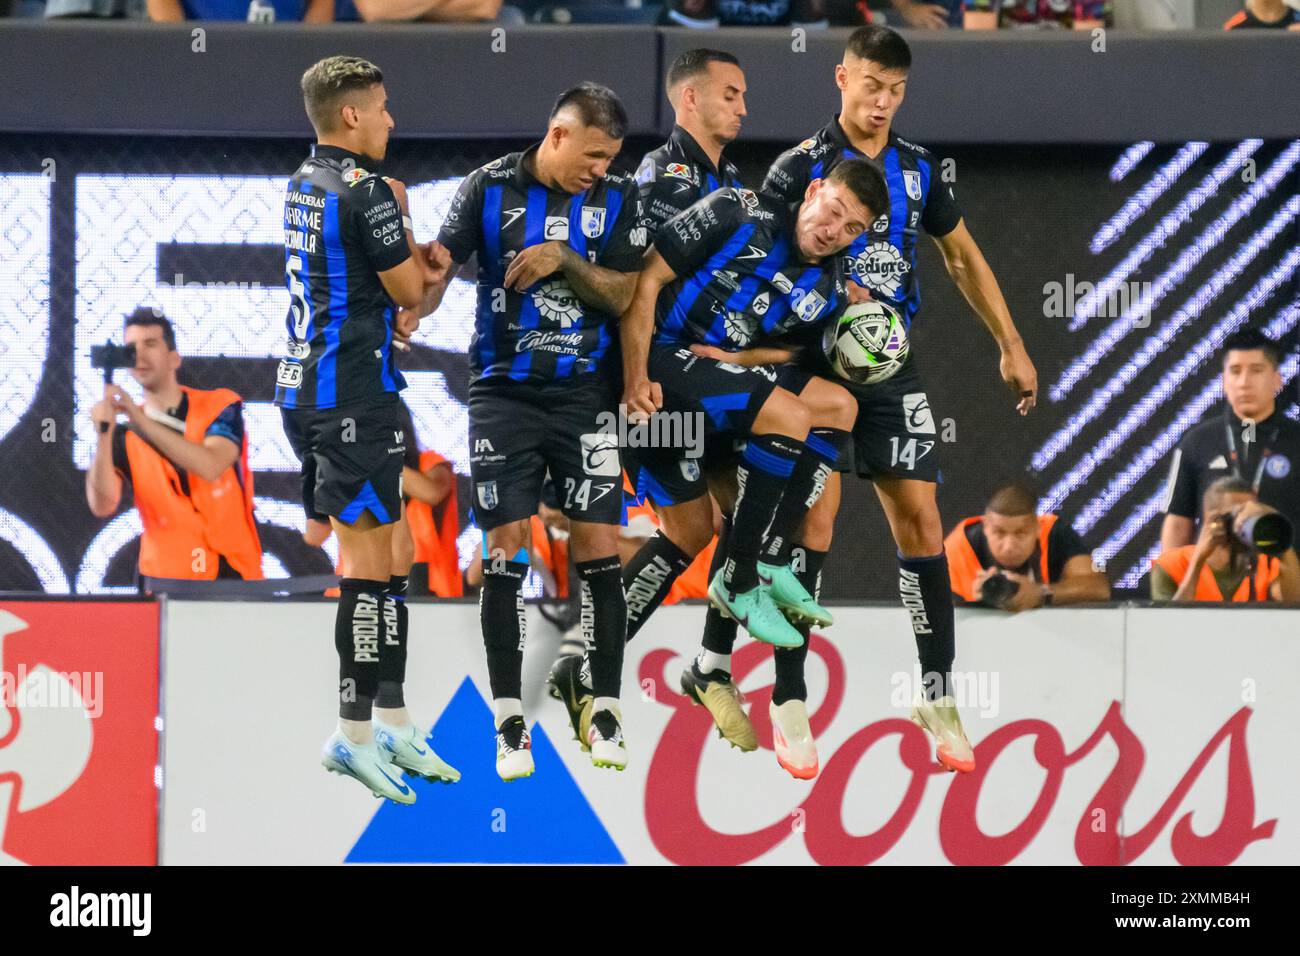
<point x="297" y="297"/>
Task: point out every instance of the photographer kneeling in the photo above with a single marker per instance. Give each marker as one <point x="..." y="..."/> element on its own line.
<point x="184" y="452"/>
<point x="1015" y="559"/>
<point x="1244" y="550"/>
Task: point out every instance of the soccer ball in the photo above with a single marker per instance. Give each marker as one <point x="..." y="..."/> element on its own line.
<point x="867" y="344"/>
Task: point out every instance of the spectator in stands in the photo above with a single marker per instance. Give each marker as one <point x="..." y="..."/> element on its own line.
<point x="186" y="455"/>
<point x="1250" y="438"/>
<point x="1220" y="563"/>
<point x="1266" y="15"/>
<point x="259" y="11"/>
<point x="705" y="14"/>
<point x="105" y="9"/>
<point x="436" y="11"/>
<point x="1075" y="14"/>
<point x="1015" y="559"/>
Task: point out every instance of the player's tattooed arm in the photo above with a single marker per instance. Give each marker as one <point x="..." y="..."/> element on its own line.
<point x="971" y="274"/>
<point x="642" y="396"/>
<point x="605" y="289"/>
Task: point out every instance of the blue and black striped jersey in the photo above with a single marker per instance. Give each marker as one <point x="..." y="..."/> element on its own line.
<point x="546" y="332"/>
<point x="740" y="276"/>
<point x="676" y="175"/>
<point x="883" y="259"/>
<point x="342" y="227"/>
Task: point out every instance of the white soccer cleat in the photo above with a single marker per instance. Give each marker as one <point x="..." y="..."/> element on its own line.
<point x="940" y="719"/>
<point x="792" y="739"/>
<point x="408" y="747"/>
<point x="514" y="750"/>
<point x="605" y="738"/>
<point x="365" y="763"/>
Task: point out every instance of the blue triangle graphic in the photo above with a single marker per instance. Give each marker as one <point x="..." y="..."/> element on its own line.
<point x="544" y="818"/>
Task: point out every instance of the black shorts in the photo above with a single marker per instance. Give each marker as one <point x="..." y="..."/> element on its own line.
<point x="519" y="431"/>
<point x="669" y="476"/>
<point x="351" y="458"/>
<point x="723" y="398"/>
<point x="895" y="433"/>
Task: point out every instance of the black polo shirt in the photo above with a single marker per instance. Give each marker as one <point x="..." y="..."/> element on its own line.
<point x="1222" y="446"/>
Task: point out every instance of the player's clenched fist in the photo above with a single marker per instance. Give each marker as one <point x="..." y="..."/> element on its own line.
<point x="643" y="399"/>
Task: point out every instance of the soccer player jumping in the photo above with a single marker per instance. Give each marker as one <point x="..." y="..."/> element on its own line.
<point x="894" y="438"/>
<point x="733" y="268"/>
<point x="350" y="262"/>
<point x="558" y="241"/>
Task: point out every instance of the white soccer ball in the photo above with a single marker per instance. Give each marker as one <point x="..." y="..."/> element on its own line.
<point x="867" y="344"/>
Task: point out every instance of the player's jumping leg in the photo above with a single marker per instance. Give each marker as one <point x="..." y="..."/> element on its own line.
<point x="770" y="457"/>
<point x="686" y="528"/>
<point x="925" y="591"/>
<point x="406" y="745"/>
<point x="358" y="633"/>
<point x="604" y="621"/>
<point x="501" y="612"/>
<point x="832" y="411"/>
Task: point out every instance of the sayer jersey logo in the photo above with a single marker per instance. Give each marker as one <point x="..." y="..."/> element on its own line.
<point x="77" y="734"/>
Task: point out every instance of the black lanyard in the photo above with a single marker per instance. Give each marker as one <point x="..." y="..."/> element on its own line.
<point x="1232" y="454"/>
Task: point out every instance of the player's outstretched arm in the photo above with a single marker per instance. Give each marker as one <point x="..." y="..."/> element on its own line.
<point x="971" y="274"/>
<point x="636" y="328"/>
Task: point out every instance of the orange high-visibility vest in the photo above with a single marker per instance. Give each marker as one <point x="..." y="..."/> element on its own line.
<point x="185" y="535"/>
<point x="434" y="535"/>
<point x="1178" y="561"/>
<point x="694" y="581"/>
<point x="964" y="565"/>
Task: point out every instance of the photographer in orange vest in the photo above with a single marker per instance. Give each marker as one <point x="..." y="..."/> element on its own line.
<point x="186" y="455"/>
<point x="1221" y="566"/>
<point x="1015" y="559"/>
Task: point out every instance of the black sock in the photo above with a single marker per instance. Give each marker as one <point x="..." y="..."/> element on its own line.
<point x="392" y="662"/>
<point x="761" y="477"/>
<point x="927" y="596"/>
<point x="358" y="631"/>
<point x="790" y="660"/>
<point x="719" y="631"/>
<point x="501" y="612"/>
<point x="649" y="576"/>
<point x="604" y="623"/>
<point x="807" y="482"/>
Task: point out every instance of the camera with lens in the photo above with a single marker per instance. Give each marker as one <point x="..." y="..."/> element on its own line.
<point x="1268" y="533"/>
<point x="110" y="357"/>
<point x="997" y="590"/>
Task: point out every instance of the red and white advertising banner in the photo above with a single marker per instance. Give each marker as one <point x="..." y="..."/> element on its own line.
<point x="1102" y="736"/>
<point x="78" y="741"/>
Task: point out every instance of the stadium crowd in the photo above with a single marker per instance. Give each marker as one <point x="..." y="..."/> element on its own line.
<point x="704" y="14"/>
